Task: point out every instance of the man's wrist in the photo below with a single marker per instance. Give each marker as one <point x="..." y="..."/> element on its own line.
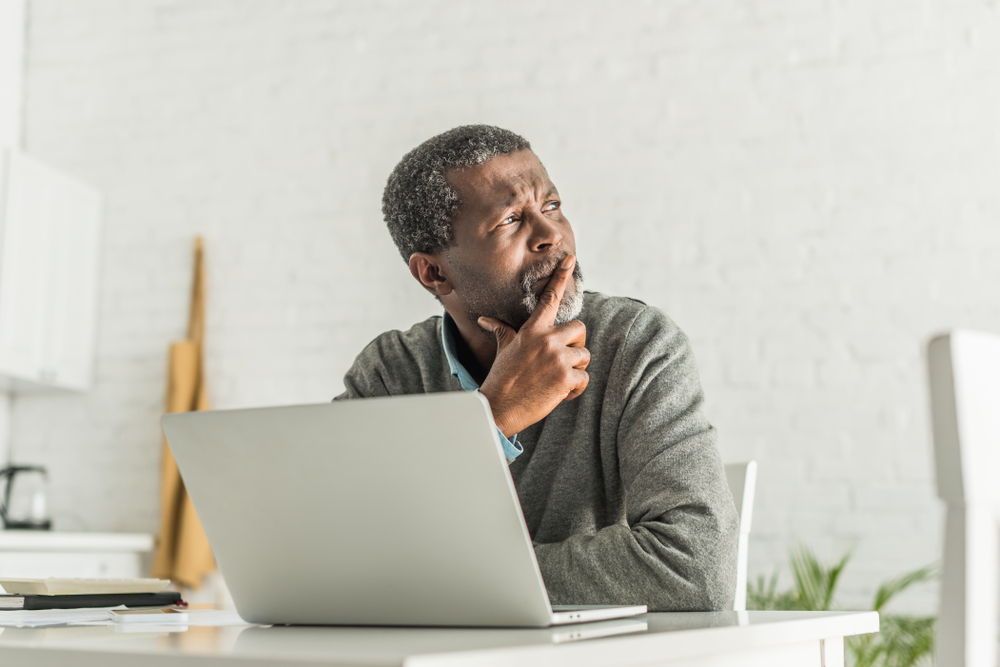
<point x="504" y="426"/>
<point x="501" y="418"/>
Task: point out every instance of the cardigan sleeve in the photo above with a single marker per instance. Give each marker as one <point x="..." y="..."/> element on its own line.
<point x="678" y="549"/>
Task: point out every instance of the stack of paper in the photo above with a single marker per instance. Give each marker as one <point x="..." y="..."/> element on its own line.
<point x="43" y="617"/>
<point x="33" y="603"/>
<point x="102" y="596"/>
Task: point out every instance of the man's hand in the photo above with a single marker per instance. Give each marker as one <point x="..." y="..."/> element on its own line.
<point x="539" y="366"/>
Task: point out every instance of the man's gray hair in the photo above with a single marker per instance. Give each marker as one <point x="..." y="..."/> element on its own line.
<point x="418" y="204"/>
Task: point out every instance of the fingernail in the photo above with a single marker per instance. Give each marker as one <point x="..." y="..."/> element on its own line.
<point x="482" y="321"/>
<point x="568" y="261"/>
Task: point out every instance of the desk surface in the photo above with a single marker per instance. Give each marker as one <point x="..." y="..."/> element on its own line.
<point x="668" y="637"/>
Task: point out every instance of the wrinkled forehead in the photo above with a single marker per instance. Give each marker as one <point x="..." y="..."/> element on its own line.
<point x="499" y="182"/>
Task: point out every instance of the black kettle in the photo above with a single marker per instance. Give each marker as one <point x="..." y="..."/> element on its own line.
<point x="25" y="498"/>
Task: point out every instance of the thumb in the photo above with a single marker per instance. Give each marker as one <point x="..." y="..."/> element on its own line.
<point x="502" y="332"/>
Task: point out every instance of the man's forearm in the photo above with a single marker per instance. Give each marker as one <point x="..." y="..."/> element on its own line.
<point x="675" y="549"/>
<point x="642" y="565"/>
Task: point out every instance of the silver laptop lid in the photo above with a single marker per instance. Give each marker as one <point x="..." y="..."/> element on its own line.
<point x="385" y="511"/>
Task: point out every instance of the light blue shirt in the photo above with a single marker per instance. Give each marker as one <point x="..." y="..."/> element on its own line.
<point x="511" y="448"/>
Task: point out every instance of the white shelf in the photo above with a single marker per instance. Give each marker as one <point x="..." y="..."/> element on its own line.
<point x="46" y="541"/>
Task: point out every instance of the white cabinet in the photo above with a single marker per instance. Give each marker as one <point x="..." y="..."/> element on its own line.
<point x="12" y="24"/>
<point x="49" y="247"/>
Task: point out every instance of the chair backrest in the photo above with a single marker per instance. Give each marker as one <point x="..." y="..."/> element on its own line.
<point x="965" y="405"/>
<point x="742" y="478"/>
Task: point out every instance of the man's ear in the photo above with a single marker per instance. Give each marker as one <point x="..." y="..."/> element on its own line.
<point x="426" y="269"/>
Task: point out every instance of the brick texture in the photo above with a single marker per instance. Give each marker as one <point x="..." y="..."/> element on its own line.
<point x="809" y="187"/>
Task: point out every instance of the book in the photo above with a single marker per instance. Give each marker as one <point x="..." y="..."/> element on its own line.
<point x="79" y="586"/>
<point x="86" y="601"/>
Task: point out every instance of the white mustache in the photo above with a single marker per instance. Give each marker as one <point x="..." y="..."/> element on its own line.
<point x="571" y="304"/>
<point x="536" y="273"/>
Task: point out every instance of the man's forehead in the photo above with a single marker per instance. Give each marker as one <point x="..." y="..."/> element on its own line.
<point x="501" y="181"/>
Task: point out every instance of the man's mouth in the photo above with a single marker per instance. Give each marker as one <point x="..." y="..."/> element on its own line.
<point x="538" y="286"/>
<point x="545" y="273"/>
<point x="534" y="281"/>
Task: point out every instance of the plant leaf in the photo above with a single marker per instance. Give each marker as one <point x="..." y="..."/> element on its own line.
<point x="832" y="578"/>
<point x="815" y="585"/>
<point x="894" y="587"/>
<point x="763" y="595"/>
<point x="903" y="641"/>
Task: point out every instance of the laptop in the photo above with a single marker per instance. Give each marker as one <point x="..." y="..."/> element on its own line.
<point x="382" y="511"/>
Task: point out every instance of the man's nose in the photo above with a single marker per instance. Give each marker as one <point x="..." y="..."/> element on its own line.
<point x="545" y="233"/>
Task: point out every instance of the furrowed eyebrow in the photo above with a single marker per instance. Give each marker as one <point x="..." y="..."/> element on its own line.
<point x="513" y="199"/>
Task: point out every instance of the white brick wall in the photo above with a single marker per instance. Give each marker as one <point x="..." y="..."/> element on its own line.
<point x="808" y="188"/>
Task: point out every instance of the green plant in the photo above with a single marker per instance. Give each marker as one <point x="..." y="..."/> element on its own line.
<point x="903" y="641"/>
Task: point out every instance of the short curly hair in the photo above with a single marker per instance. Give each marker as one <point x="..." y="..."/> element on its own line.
<point x="418" y="204"/>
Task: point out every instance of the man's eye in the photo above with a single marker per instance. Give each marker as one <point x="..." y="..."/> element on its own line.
<point x="509" y="219"/>
<point x="551" y="206"/>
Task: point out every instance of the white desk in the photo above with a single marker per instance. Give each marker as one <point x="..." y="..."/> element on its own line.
<point x="771" y="639"/>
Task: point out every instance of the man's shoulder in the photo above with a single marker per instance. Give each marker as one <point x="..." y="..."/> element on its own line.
<point x="419" y="342"/>
<point x="400" y="362"/>
<point x="620" y="314"/>
<point x="630" y="331"/>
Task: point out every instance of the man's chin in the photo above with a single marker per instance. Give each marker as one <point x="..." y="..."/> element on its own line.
<point x="569" y="308"/>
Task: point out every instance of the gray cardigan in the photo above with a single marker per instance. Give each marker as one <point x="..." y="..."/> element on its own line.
<point x="623" y="489"/>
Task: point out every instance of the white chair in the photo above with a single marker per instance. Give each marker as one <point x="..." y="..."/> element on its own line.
<point x="965" y="406"/>
<point x="742" y="478"/>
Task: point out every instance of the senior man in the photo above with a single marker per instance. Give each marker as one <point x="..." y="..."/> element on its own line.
<point x="596" y="398"/>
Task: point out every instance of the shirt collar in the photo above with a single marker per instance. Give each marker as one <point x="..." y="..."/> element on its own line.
<point x="448" y="331"/>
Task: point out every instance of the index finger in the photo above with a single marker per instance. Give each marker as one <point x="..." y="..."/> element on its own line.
<point x="548" y="303"/>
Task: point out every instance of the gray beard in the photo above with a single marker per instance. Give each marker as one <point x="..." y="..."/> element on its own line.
<point x="513" y="303"/>
<point x="569" y="307"/>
